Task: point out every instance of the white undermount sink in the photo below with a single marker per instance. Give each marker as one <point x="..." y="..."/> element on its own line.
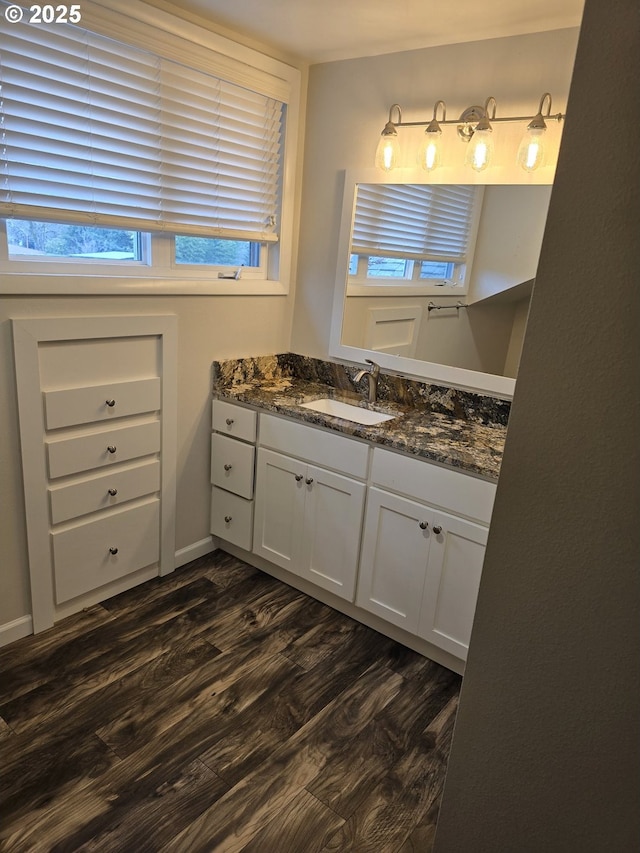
<point x="328" y="406"/>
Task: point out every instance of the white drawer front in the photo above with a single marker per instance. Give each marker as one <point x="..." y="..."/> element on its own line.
<point x="85" y="452"/>
<point x="233" y="420"/>
<point x="232" y="465"/>
<point x="231" y="518"/>
<point x="82" y="557"/>
<point x="346" y="455"/>
<point x="97" y="493"/>
<point x="440" y="487"/>
<point x="100" y="402"/>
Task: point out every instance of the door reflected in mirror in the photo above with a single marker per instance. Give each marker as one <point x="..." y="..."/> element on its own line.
<point x="435" y="280"/>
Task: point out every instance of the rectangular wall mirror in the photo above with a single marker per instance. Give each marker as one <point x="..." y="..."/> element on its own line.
<point x="434" y="280"/>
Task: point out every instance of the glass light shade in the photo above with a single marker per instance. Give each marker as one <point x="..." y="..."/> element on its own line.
<point x="479" y="150"/>
<point x="430" y="151"/>
<point x="388" y="152"/>
<point x="531" y="150"/>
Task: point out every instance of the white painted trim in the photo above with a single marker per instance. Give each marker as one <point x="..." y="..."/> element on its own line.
<point x="15" y="630"/>
<point x="196" y="550"/>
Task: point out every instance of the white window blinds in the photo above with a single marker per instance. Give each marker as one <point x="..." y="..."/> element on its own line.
<point x="96" y="131"/>
<point x="414" y="221"/>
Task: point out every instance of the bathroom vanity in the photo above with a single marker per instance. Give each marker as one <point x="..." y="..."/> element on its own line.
<point x="387" y="522"/>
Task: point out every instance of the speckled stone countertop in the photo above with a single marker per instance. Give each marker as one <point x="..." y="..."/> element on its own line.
<point x="452" y="427"/>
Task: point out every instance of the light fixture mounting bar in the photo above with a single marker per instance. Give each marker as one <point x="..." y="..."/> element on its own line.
<point x="555" y="117"/>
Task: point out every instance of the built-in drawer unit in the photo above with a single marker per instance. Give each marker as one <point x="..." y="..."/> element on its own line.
<point x="92" y="494"/>
<point x="93" y="403"/>
<point x="232" y="464"/>
<point x="229" y="419"/>
<point x="231" y="518"/>
<point x="96" y="449"/>
<point x="96" y="552"/>
<point x="98" y="421"/>
<point x="440" y="487"/>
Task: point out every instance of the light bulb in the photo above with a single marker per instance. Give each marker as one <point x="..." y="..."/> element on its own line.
<point x="480" y="149"/>
<point x="531" y="150"/>
<point x="388" y="151"/>
<point x="430" y="151"/>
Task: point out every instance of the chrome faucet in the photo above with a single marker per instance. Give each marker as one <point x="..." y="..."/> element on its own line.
<point x="372" y="374"/>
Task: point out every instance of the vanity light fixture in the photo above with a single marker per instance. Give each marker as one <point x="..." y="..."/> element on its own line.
<point x="430" y="152"/>
<point x="388" y="151"/>
<point x="474" y="127"/>
<point x="531" y="150"/>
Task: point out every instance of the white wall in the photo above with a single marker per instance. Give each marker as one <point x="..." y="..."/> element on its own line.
<point x="209" y="328"/>
<point x="348" y="104"/>
<point x="546" y="744"/>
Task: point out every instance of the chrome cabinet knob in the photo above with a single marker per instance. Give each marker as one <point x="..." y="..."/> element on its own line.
<point x="110" y="403"/>
<point x="299" y="477"/>
<point x="309" y="480"/>
<point x="423" y="525"/>
<point x="437" y="529"/>
<point x="111" y="448"/>
<point x="113" y="492"/>
<point x="228" y="467"/>
<point x="228" y="518"/>
<point x="229" y="421"/>
<point x="113" y="551"/>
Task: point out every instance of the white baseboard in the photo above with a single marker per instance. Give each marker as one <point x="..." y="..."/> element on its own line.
<point x="197" y="549"/>
<point x="15" y="630"/>
<point x="23" y="627"/>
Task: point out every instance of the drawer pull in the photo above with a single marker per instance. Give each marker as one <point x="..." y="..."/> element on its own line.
<point x="113" y="492"/>
<point x="113" y="551"/>
<point x="423" y="525"/>
<point x="228" y="518"/>
<point x="229" y="421"/>
<point x="299" y="477"/>
<point x="110" y="403"/>
<point x="437" y="529"/>
<point x="111" y="448"/>
<point x="309" y="480"/>
<point x="228" y="467"/>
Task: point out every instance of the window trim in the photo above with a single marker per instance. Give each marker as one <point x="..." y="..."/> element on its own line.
<point x="176" y="38"/>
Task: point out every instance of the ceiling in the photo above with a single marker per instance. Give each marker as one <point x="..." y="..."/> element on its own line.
<point x="327" y="30"/>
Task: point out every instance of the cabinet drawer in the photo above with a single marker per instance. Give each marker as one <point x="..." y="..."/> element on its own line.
<point x="82" y="557"/>
<point x="440" y="487"/>
<point x="345" y="455"/>
<point x="233" y="420"/>
<point x="85" y="496"/>
<point x="231" y="518"/>
<point x="232" y="465"/>
<point x="84" y="452"/>
<point x="70" y="406"/>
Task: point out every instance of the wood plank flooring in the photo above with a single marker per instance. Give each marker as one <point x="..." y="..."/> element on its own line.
<point x="218" y="709"/>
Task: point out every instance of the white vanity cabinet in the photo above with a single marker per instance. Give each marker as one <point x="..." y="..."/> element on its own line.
<point x="232" y="472"/>
<point x="308" y="518"/>
<point x="424" y="538"/>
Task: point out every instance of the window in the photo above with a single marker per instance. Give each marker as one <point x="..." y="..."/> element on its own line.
<point x="28" y="238"/>
<point x="413" y="234"/>
<point x="116" y="155"/>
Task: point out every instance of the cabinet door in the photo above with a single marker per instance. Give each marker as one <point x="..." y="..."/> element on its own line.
<point x="331" y="537"/>
<point x="453" y="579"/>
<point x="395" y="552"/>
<point x="279" y="509"/>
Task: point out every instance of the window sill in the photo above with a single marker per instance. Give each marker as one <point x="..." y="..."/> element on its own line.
<point x="404" y="290"/>
<point x="64" y="284"/>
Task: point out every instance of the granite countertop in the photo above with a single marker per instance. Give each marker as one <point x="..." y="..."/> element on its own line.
<point x="467" y="444"/>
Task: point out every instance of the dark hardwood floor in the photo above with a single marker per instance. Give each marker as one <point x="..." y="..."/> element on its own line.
<point x="218" y="709"/>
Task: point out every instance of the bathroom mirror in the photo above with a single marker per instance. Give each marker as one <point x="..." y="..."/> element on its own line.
<point x="456" y="325"/>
